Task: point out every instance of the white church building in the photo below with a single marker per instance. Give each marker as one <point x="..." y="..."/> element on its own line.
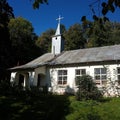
<point x="57" y="70"/>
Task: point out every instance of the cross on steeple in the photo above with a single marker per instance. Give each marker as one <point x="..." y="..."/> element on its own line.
<point x="59" y="18"/>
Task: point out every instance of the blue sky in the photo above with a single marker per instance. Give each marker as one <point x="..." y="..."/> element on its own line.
<point x="44" y="18"/>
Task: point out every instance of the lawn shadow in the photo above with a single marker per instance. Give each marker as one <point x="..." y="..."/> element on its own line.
<point x="26" y="105"/>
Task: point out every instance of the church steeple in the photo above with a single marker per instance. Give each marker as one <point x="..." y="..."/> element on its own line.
<point x="57" y="40"/>
<point x="58" y="30"/>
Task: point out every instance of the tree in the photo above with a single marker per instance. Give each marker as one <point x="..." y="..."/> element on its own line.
<point x="74" y="38"/>
<point x="63" y="29"/>
<point x="106" y="6"/>
<point x="102" y="35"/>
<point x="44" y="41"/>
<point x="87" y="88"/>
<point x="97" y="35"/>
<point x="22" y="40"/>
<point x="6" y="12"/>
<point x="110" y="5"/>
<point x="114" y="36"/>
<point x="37" y="3"/>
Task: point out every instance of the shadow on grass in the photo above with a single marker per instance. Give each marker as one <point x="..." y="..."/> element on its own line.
<point x="28" y="105"/>
<point x="105" y="99"/>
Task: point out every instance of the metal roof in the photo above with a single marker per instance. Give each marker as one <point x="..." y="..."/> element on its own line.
<point x="96" y="54"/>
<point x="42" y="60"/>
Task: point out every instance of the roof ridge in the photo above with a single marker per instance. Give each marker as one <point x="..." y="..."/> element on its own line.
<point x="93" y="48"/>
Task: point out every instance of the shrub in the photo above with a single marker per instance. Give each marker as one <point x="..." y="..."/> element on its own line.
<point x="87" y="89"/>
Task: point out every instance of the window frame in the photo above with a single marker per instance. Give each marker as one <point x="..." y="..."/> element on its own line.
<point x="101" y="73"/>
<point x="81" y="73"/>
<point x="62" y="77"/>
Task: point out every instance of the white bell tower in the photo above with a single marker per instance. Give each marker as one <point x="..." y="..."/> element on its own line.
<point x="57" y="40"/>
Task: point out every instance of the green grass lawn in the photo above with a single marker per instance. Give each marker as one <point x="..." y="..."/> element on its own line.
<point x="106" y="109"/>
<point x="38" y="106"/>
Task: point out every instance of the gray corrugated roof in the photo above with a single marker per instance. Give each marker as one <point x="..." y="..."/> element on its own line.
<point x="106" y="53"/>
<point x="42" y="60"/>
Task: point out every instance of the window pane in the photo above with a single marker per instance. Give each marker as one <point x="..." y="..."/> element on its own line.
<point x="97" y="70"/>
<point x="83" y="71"/>
<point x="59" y="72"/>
<point x="118" y="77"/>
<point x="65" y="78"/>
<point x="118" y="70"/>
<point x="103" y="70"/>
<point x="80" y="72"/>
<point x="60" y="78"/>
<point x="59" y="82"/>
<point x="77" y="72"/>
<point x="97" y="77"/>
<point x="103" y="77"/>
<point x="64" y="72"/>
<point x="64" y="82"/>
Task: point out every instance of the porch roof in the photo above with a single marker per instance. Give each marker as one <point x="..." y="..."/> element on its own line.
<point x="42" y="60"/>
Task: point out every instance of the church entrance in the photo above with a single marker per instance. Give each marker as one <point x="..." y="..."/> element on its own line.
<point x="21" y="80"/>
<point x="39" y="80"/>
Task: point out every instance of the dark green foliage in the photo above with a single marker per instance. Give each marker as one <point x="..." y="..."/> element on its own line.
<point x="37" y="3"/>
<point x="110" y="5"/>
<point x="95" y="18"/>
<point x="23" y="41"/>
<point x="74" y="38"/>
<point x="44" y="41"/>
<point x="6" y="12"/>
<point x="104" y="34"/>
<point x="87" y="89"/>
<point x="83" y="18"/>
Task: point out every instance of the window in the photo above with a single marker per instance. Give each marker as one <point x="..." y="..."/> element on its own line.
<point x="80" y="72"/>
<point x="118" y="75"/>
<point x="62" y="77"/>
<point x="100" y="75"/>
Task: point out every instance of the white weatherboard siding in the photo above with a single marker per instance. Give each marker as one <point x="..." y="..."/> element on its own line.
<point x="13" y="74"/>
<point x="31" y="78"/>
<point x="111" y="75"/>
<point x="49" y="77"/>
<point x="42" y="72"/>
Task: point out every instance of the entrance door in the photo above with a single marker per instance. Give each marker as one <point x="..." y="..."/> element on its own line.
<point x="38" y="80"/>
<point x="21" y="80"/>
